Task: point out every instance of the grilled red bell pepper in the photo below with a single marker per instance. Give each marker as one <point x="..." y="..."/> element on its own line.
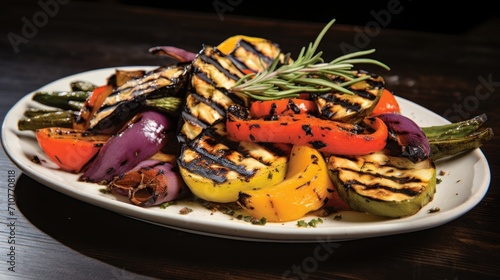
<point x="71" y="149"/>
<point x="91" y="105"/>
<point x="302" y="129"/>
<point x="386" y="104"/>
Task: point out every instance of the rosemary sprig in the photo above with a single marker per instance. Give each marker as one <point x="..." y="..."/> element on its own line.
<point x="309" y="73"/>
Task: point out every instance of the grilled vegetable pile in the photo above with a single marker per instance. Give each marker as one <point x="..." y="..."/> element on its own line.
<point x="243" y="123"/>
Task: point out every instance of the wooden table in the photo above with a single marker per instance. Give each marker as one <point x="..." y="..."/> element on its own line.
<point x="58" y="237"/>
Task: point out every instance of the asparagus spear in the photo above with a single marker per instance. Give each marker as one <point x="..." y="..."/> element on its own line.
<point x="49" y="118"/>
<point x="75" y="105"/>
<point x="82" y="86"/>
<point x="32" y="112"/>
<point x="455" y="138"/>
<point x="458" y="129"/>
<point x="60" y="99"/>
<point x="444" y="148"/>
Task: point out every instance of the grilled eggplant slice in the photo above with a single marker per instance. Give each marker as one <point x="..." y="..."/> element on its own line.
<point x="125" y="101"/>
<point x="351" y="108"/>
<point x="216" y="169"/>
<point x="383" y="185"/>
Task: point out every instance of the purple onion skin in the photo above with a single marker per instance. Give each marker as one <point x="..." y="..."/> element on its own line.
<point x="140" y="138"/>
<point x="408" y="135"/>
<point x="180" y="54"/>
<point x="167" y="185"/>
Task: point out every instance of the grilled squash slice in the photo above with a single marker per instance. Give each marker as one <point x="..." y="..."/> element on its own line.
<point x="208" y="96"/>
<point x="351" y="108"/>
<point x="383" y="185"/>
<point x="216" y="169"/>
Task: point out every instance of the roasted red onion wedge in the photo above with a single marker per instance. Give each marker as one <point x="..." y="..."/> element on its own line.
<point x="150" y="183"/>
<point x="177" y="53"/>
<point x="408" y="135"/>
<point x="138" y="140"/>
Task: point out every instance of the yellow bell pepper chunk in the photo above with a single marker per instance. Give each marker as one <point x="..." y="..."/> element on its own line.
<point x="228" y="45"/>
<point x="306" y="187"/>
<point x="227" y="191"/>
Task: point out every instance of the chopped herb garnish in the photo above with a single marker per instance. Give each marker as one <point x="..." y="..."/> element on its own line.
<point x="301" y="223"/>
<point x="252" y="220"/>
<point x="311" y="223"/>
<point x="314" y="222"/>
<point x="105" y="190"/>
<point x="167" y="204"/>
<point x="248" y="218"/>
<point x="262" y="221"/>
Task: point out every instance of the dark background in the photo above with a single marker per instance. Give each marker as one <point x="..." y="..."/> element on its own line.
<point x="429" y="16"/>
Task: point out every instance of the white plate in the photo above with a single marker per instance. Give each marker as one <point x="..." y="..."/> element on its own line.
<point x="463" y="186"/>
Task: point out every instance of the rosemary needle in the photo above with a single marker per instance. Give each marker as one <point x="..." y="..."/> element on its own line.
<point x="309" y="73"/>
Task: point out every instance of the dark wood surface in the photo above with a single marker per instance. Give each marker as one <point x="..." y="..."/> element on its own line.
<point x="57" y="237"/>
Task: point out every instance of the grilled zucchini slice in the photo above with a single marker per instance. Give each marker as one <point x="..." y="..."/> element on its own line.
<point x="351" y="108"/>
<point x="383" y="185"/>
<point x="208" y="96"/>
